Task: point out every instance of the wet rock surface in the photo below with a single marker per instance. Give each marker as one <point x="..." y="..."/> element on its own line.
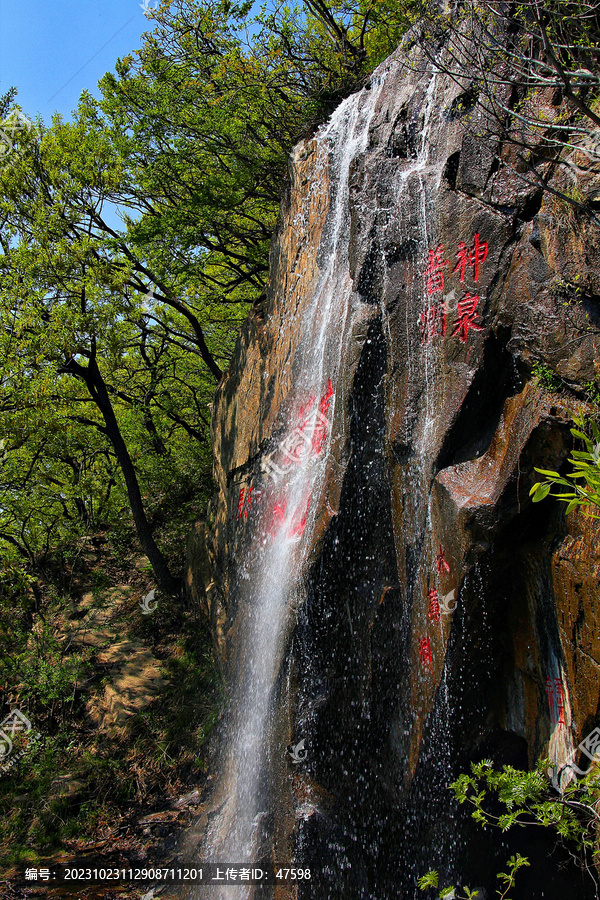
<point x="445" y="615"/>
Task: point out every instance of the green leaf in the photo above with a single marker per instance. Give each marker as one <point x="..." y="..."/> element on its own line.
<point x="428" y="880"/>
<point x="542" y="492"/>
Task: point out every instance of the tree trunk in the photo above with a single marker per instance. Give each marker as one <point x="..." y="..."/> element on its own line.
<point x="99" y="393"/>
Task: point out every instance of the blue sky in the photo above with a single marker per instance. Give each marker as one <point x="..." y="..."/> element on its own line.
<point x="52" y="50"/>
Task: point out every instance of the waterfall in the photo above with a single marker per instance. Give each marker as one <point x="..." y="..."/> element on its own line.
<point x="290" y="496"/>
<point x="389" y="604"/>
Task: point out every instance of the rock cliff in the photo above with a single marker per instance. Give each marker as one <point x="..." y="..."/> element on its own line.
<point x="445" y="618"/>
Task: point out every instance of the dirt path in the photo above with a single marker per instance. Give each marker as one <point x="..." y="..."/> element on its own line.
<point x="135" y="675"/>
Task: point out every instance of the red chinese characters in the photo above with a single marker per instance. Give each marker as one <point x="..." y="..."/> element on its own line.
<point x="240" y="506"/>
<point x="305" y="441"/>
<point x="434" y="612"/>
<point x="441" y="563"/>
<point x="471" y="257"/>
<point x="438" y="605"/>
<point x="299" y="520"/>
<point x="425" y="652"/>
<point x="466" y="311"/>
<point x="320" y="427"/>
<point x="244" y="502"/>
<point x="560" y="703"/>
<point x="435" y="270"/>
<point x="556" y="703"/>
<point x="433" y="322"/>
<point x="277" y="515"/>
<point x="246" y="497"/>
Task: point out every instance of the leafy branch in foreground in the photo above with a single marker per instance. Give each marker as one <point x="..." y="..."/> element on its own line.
<point x="449" y="893"/>
<point x="431" y="879"/>
<point x="583" y="483"/>
<point x="528" y="800"/>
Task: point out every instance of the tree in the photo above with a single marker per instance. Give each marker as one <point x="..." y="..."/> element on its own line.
<point x="71" y="321"/>
<point x="135" y="239"/>
<point x="528" y="799"/>
<point x="531" y="71"/>
<point x="334" y="45"/>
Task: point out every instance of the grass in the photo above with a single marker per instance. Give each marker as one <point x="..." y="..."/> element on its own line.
<point x="547" y="378"/>
<point x="159" y="754"/>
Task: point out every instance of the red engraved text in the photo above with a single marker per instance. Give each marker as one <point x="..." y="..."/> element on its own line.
<point x="556" y="703"/>
<point x="433" y="322"/>
<point x="434" y="612"/>
<point x="467" y="313"/>
<point x="441" y="563"/>
<point x="435" y="270"/>
<point x="471" y="257"/>
<point x="425" y="652"/>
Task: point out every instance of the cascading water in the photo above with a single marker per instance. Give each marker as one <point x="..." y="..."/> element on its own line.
<point x="269" y="580"/>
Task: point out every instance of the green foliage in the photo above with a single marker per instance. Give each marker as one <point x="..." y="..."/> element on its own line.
<point x="465" y="893"/>
<point x="593" y="392"/>
<point x="188" y="145"/>
<point x="333" y="44"/>
<point x="37" y="668"/>
<point x="527" y="799"/>
<point x="583" y="483"/>
<point x="67" y="311"/>
<point x="46" y="677"/>
<point x="515" y="863"/>
<point x="430" y="880"/>
<point x="546" y="377"/>
<point x="17" y="608"/>
<point x="52" y="677"/>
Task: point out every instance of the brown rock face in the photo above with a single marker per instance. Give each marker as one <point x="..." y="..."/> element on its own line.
<point x="444" y="617"/>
